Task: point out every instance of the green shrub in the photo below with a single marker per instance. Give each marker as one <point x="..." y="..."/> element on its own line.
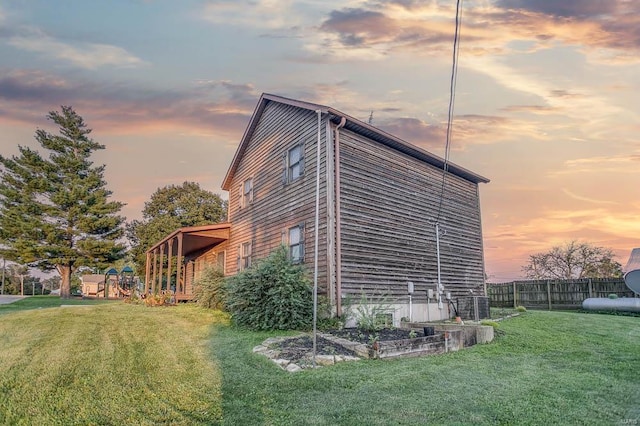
<point x="274" y="294"/>
<point x="493" y="324"/>
<point x="521" y="309"/>
<point x="372" y="316"/>
<point x="613" y="296"/>
<point x="326" y="319"/>
<point x="208" y="289"/>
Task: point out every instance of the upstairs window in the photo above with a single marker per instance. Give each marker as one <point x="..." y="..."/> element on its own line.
<point x="296" y="244"/>
<point x="244" y="256"/>
<point x="246" y="193"/>
<point x="294" y="163"/>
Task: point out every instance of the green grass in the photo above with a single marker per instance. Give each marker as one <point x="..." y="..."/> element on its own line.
<point x="38" y="302"/>
<point x="108" y="364"/>
<point x="123" y="364"/>
<point x="547" y="368"/>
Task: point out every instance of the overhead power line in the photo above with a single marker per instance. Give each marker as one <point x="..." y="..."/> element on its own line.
<point x="452" y="100"/>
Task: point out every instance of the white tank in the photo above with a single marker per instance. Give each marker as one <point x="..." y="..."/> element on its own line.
<point x="632" y="277"/>
<point x="625" y="304"/>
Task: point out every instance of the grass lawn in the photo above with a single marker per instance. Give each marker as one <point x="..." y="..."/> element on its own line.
<point x="108" y="363"/>
<point x="122" y="364"/>
<point x="37" y="302"/>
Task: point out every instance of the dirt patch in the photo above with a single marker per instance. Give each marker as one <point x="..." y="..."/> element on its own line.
<point x="299" y="348"/>
<point x="368" y="337"/>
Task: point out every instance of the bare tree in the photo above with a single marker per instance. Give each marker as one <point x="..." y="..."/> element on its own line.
<point x="19" y="271"/>
<point x="573" y="260"/>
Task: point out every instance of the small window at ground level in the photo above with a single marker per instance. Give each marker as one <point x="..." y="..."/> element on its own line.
<point x="296" y="243"/>
<point x="244" y="256"/>
<point x="220" y="260"/>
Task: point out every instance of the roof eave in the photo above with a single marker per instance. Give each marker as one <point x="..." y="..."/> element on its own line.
<point x="352" y="124"/>
<point x="388" y="139"/>
<point x="265" y="98"/>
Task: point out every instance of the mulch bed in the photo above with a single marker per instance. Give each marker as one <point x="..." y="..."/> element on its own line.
<point x="298" y="348"/>
<point x="385" y="334"/>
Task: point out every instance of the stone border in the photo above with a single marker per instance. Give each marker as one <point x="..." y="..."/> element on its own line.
<point x="515" y="314"/>
<point x="472" y="333"/>
<point x="267" y="350"/>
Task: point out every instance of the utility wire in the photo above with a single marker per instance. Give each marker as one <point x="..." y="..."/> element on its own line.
<point x="452" y="99"/>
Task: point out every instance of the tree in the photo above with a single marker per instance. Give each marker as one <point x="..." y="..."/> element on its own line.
<point x="51" y="283"/>
<point x="55" y="212"/>
<point x="18" y="280"/>
<point x="573" y="260"/>
<point x="170" y="208"/>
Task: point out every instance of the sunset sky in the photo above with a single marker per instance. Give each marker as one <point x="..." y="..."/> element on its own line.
<point x="547" y="101"/>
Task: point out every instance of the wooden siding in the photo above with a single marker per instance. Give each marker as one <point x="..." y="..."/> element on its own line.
<point x="277" y="205"/>
<point x="389" y="206"/>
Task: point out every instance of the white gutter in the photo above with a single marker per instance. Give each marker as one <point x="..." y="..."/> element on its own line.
<point x="343" y="121"/>
<point x="316" y="242"/>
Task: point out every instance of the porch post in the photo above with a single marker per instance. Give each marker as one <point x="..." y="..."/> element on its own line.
<point x="179" y="268"/>
<point x="184" y="277"/>
<point x="155" y="271"/>
<point x="169" y="256"/>
<point x="161" y="266"/>
<point x="147" y="273"/>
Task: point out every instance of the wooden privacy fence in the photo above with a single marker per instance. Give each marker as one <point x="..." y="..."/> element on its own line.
<point x="554" y="294"/>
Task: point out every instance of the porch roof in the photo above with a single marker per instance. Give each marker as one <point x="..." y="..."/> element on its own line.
<point x="195" y="238"/>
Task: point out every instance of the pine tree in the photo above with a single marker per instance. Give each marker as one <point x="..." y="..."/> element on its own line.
<point x="55" y="213"/>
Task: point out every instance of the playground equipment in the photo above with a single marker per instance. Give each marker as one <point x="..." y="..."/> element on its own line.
<point x="111" y="284"/>
<point x="625" y="304"/>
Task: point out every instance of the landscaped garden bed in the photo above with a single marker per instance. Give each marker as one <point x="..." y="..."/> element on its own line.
<point x="296" y="353"/>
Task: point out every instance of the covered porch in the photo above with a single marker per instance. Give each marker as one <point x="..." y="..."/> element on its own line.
<point x="171" y="263"/>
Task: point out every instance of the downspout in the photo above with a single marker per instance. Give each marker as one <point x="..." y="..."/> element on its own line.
<point x="343" y="121"/>
<point x="316" y="241"/>
<point x="484" y="270"/>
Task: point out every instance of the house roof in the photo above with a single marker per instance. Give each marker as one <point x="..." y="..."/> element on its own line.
<point x="353" y="125"/>
<point x="195" y="238"/>
<point x="92" y="279"/>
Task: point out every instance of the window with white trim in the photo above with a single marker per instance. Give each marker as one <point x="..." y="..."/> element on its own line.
<point x="220" y="260"/>
<point x="296" y="243"/>
<point x="294" y="163"/>
<point x="244" y="255"/>
<point x="246" y="193"/>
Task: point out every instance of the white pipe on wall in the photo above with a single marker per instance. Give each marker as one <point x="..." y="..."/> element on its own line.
<point x="440" y="287"/>
<point x="316" y="242"/>
<point x="343" y="121"/>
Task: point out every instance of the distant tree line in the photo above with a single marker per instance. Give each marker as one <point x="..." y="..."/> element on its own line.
<point x="16" y="279"/>
<point x="573" y="259"/>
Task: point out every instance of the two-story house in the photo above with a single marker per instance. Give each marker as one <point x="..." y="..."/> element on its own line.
<point x="378" y="200"/>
